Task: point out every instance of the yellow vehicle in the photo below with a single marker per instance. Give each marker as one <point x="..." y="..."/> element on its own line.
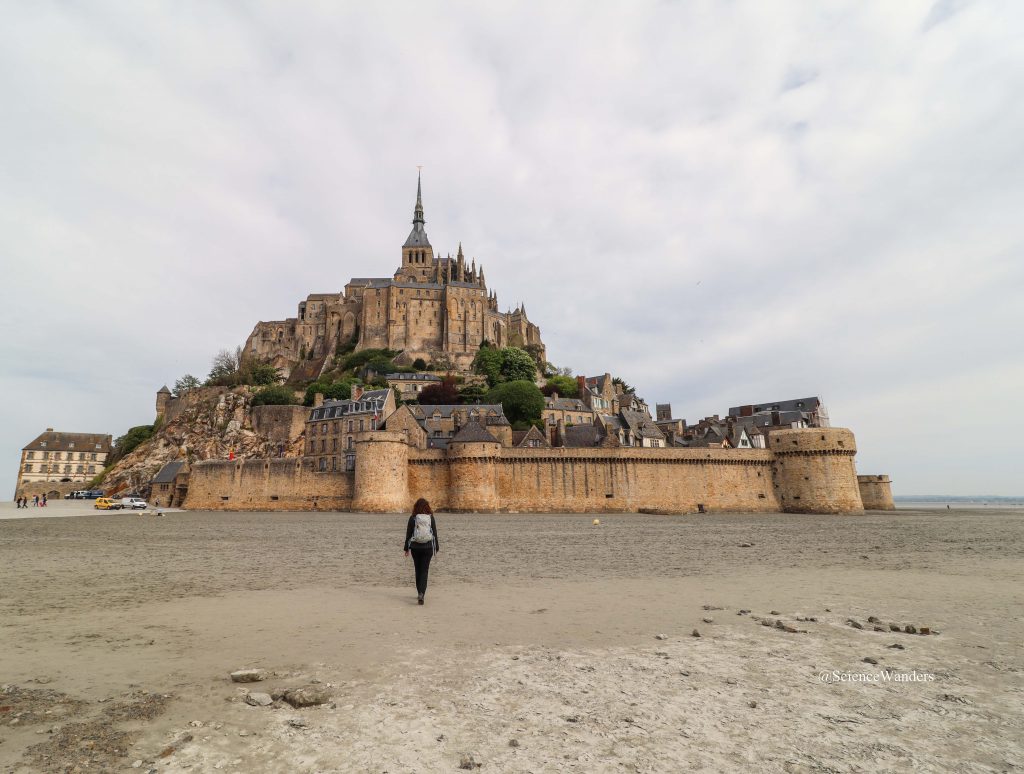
<point x="107" y="504"/>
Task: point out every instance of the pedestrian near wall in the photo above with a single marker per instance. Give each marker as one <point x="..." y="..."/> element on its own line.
<point x="421" y="542"/>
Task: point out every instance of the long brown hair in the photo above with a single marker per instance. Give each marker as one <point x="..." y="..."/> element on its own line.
<point x="421" y="506"/>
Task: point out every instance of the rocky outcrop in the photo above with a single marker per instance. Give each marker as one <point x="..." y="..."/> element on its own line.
<point x="206" y="423"/>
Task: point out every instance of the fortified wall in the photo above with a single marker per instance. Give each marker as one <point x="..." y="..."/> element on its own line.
<point x="876" y="493"/>
<point x="803" y="471"/>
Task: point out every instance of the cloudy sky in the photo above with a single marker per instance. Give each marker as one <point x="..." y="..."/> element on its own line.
<point x="723" y="203"/>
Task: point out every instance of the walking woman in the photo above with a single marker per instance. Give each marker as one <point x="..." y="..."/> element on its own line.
<point x="421" y="540"/>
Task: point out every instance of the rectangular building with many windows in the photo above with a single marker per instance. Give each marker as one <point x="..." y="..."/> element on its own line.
<point x="63" y="458"/>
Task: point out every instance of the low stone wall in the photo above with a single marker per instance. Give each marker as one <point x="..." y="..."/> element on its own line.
<point x="54" y="490"/>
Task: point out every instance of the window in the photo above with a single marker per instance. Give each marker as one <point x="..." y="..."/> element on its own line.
<point x="323" y="464"/>
<point x="350" y="423"/>
<point x="71" y="445"/>
<point x="28" y="467"/>
<point x="323" y="429"/>
<point x="349" y="444"/>
<point x="30" y="456"/>
<point x="92" y="456"/>
<point x="334" y="444"/>
<point x="92" y="468"/>
<point x="334" y="463"/>
<point x="81" y="469"/>
<point x="323" y="446"/>
<point x="360" y="425"/>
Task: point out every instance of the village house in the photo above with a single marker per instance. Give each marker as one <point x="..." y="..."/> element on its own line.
<point x="433" y="427"/>
<point x="334" y="425"/>
<point x="571" y="411"/>
<point x="170" y="485"/>
<point x="410" y="385"/>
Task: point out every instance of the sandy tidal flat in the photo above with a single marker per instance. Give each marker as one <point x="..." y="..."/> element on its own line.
<point x="547" y="644"/>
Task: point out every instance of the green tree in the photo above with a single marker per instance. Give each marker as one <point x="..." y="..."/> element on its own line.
<point x="472" y="393"/>
<point x="487" y="362"/>
<point x="274" y="395"/>
<point x="186" y="384"/>
<point x="517" y="365"/>
<point x="565" y="386"/>
<point x="621" y="384"/>
<point x="264" y="374"/>
<point x="130" y="441"/>
<point x="419" y="364"/>
<point x="341" y="390"/>
<point x="521" y="400"/>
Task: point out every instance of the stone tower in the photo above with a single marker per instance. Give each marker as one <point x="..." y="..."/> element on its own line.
<point x="813" y="470"/>
<point x="472" y="457"/>
<point x="382" y="473"/>
<point x="163" y="397"/>
<point x="876" y="493"/>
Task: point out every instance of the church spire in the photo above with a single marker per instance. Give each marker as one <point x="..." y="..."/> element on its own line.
<point x="417" y="214"/>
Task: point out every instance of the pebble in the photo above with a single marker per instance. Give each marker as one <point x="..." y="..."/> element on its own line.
<point x="743" y="612"/>
<point x="894" y="627"/>
<point x="248" y="675"/>
<point x="752" y="704"/>
<point x="661" y="636"/>
<point x="896" y="645"/>
<point x="878" y="629"/>
<point x="774" y="612"/>
<point x="258" y="699"/>
<point x="695" y="633"/>
<point x="746" y="545"/>
<point x="297" y="723"/>
<point x="467" y="761"/>
<point x="869" y="660"/>
<point x="872" y="619"/>
<point x="309" y="696"/>
<point x="137" y="765"/>
<point x="910" y="629"/>
<point x="925" y="630"/>
<point x="855" y="624"/>
<point x="513" y="742"/>
<point x="708" y="620"/>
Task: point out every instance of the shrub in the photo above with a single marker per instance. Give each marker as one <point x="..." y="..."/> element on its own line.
<point x="419" y="364"/>
<point x="274" y="395"/>
<point x="186" y="384"/>
<point x="264" y="374"/>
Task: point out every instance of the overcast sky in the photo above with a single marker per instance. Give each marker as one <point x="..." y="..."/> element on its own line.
<point x="722" y="203"/>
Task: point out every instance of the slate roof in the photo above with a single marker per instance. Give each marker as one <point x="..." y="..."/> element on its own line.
<point x="522" y="437"/>
<point x="446" y="410"/>
<point x="473" y="432"/>
<point x="565" y="404"/>
<point x="641" y="424"/>
<point x="807" y="404"/>
<point x="79" y="442"/>
<point x="582" y="436"/>
<point x="332" y="409"/>
<point x="169" y="472"/>
<point x="163" y="389"/>
<point x="413" y="377"/>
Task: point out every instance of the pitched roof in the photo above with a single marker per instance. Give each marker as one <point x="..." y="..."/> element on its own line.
<point x="332" y="409"/>
<point x="565" y="404"/>
<point x="473" y="432"/>
<point x="796" y="404"/>
<point x="426" y="411"/>
<point x="641" y="424"/>
<point x="417" y="377"/>
<point x="168" y="472"/>
<point x="80" y="442"/>
<point x="523" y="437"/>
<point x="582" y="436"/>
<point x="163" y="389"/>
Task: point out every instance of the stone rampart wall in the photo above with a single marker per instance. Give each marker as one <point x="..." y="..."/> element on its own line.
<point x="809" y="473"/>
<point x="267" y="485"/>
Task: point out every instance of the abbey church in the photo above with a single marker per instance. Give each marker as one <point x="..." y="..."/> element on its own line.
<point x="433" y="308"/>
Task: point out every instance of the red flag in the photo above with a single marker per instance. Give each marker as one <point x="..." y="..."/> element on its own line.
<point x="231" y="455"/>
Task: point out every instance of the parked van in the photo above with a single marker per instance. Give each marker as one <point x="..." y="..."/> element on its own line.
<point x="134" y="503"/>
<point x="107" y="504"/>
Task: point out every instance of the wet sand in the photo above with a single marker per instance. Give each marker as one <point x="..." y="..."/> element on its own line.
<point x="542" y="630"/>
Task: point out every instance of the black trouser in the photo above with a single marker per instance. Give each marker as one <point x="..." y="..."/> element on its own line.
<point x="422" y="553"/>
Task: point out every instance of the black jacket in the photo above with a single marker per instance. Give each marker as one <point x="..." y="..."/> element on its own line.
<point x="412" y="525"/>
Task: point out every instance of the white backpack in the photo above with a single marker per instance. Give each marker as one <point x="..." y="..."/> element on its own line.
<point x="422" y="533"/>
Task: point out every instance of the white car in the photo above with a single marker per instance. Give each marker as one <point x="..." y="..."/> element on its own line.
<point x="135" y="503"/>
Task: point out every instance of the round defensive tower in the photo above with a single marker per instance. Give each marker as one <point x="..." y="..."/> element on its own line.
<point x="472" y="462"/>
<point x="382" y="473"/>
<point x="813" y="470"/>
<point x="876" y="492"/>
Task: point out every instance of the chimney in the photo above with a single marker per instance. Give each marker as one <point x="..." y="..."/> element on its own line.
<point x="581" y="382"/>
<point x="357" y="392"/>
<point x="318" y="399"/>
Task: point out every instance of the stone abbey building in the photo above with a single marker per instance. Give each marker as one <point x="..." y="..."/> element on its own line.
<point x="433" y="308"/>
